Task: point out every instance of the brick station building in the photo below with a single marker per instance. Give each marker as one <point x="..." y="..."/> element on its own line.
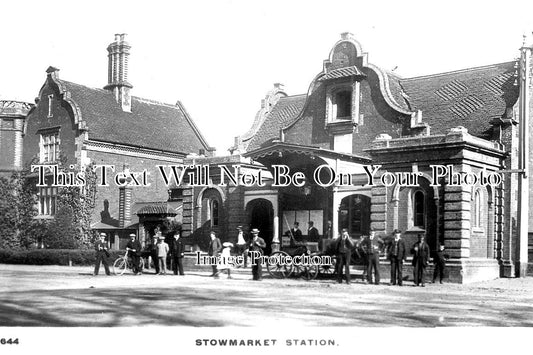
<point x="356" y="114"/>
<point x="111" y="126"/>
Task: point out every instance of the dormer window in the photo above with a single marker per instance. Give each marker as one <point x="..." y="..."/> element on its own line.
<point x="342" y="105"/>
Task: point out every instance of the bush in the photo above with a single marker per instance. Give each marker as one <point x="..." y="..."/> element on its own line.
<point x="78" y="257"/>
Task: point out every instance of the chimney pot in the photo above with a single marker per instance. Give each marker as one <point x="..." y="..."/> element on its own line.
<point x="119" y="52"/>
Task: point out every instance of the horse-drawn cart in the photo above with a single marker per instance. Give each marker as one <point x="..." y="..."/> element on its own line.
<point x="293" y="261"/>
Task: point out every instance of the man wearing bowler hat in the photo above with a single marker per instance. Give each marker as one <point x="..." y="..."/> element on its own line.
<point x="134" y="250"/>
<point x="396" y="255"/>
<point x="257" y="244"/>
<point x="101" y="255"/>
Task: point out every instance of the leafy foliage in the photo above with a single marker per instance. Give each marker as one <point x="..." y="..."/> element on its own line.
<point x="72" y="223"/>
<point x="70" y="229"/>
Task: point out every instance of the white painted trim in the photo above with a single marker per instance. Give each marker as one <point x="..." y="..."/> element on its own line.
<point x="132" y="151"/>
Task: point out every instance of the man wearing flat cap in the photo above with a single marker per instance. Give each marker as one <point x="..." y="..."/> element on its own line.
<point x="396" y="254"/>
<point x="101" y="255"/>
<point x="134" y="251"/>
<point x="372" y="246"/>
<point x="257" y="244"/>
<point x="420" y="251"/>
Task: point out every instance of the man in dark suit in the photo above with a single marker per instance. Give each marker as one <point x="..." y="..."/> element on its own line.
<point x="101" y="255"/>
<point x="439" y="261"/>
<point x="134" y="252"/>
<point x="312" y="232"/>
<point x="396" y="255"/>
<point x="343" y="250"/>
<point x="215" y="246"/>
<point x="372" y="245"/>
<point x="420" y="251"/>
<point x="295" y="234"/>
<point x="257" y="244"/>
<point x="177" y="254"/>
<point x="153" y="252"/>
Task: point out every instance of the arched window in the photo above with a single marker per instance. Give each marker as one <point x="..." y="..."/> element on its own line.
<point x="214" y="213"/>
<point x="476" y="210"/>
<point x="419" y="209"/>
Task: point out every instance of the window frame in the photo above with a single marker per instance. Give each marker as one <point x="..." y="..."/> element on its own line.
<point x="49" y="145"/>
<point x="417" y="216"/>
<point x="47" y="201"/>
<point x="214" y="212"/>
<point x="477" y="209"/>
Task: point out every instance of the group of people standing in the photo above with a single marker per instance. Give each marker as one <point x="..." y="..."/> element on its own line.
<point x="243" y="247"/>
<point x="368" y="248"/>
<point x="371" y="246"/>
<point x="157" y="250"/>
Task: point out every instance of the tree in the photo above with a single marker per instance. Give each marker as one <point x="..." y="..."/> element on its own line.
<point x="71" y="226"/>
<point x="75" y="205"/>
<point x="8" y="214"/>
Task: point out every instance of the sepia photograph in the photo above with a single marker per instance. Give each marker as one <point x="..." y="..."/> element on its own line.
<point x="264" y="176"/>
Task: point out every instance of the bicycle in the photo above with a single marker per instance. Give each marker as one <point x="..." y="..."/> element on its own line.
<point x="123" y="262"/>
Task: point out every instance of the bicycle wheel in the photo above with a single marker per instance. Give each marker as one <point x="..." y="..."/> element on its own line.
<point x="119" y="266"/>
<point x="279" y="270"/>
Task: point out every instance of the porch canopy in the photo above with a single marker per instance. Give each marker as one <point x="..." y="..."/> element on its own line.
<point x="281" y="153"/>
<point x="312" y="197"/>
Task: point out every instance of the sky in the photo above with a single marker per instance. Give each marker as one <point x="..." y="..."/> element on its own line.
<point x="220" y="58"/>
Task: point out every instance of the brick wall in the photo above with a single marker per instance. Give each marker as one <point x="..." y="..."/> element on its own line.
<point x="377" y="118"/>
<point x="157" y="191"/>
<point x="38" y="119"/>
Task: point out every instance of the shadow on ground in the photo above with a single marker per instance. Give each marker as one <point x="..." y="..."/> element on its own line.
<point x="242" y="303"/>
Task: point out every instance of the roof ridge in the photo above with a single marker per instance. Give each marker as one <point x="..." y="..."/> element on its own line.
<point x="133" y="96"/>
<point x="85" y="86"/>
<point x="155" y="101"/>
<point x="457" y="71"/>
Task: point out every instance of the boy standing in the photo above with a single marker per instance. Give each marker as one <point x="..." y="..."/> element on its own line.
<point x="162" y="251"/>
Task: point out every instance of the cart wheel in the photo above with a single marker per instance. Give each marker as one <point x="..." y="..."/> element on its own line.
<point x="312" y="272"/>
<point x="119" y="266"/>
<point x="328" y="270"/>
<point x="278" y="270"/>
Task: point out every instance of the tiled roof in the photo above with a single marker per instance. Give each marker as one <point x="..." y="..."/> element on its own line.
<point x="341" y="73"/>
<point x="469" y="98"/>
<point x="285" y="111"/>
<point x="150" y="124"/>
<point x="169" y="209"/>
<point x="397" y="92"/>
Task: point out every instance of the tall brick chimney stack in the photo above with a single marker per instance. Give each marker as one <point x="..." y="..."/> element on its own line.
<point x="117" y="81"/>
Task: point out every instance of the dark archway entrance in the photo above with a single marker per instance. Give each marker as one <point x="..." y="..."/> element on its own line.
<point x="354" y="214"/>
<point x="260" y="215"/>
